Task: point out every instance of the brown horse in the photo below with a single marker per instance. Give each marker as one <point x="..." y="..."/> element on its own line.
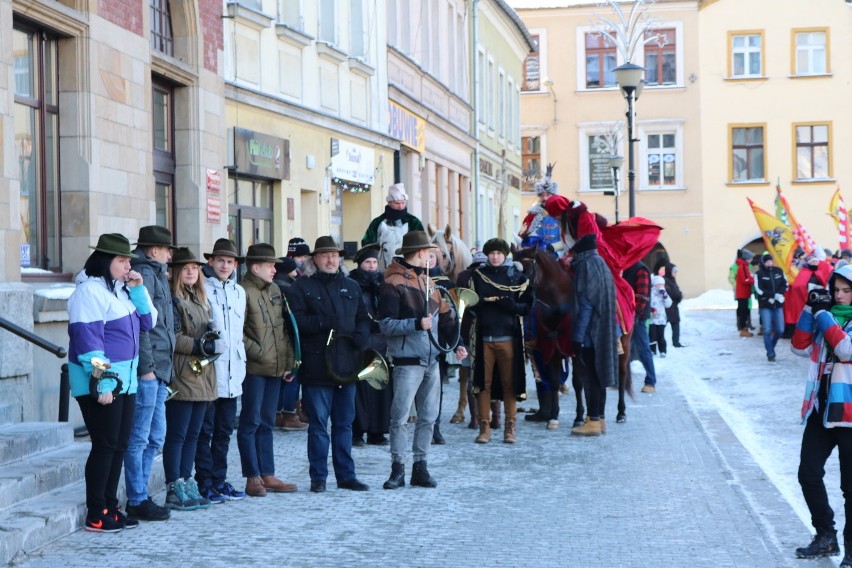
<point x="455" y="254"/>
<point x="553" y="287"/>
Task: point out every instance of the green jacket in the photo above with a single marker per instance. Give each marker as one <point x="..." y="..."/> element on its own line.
<point x="268" y="349"/>
<point x="191" y="322"/>
<point x="372" y="234"/>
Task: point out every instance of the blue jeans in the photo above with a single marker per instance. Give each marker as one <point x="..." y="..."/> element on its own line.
<point x="289" y="396"/>
<point x="640" y="348"/>
<point x="211" y="455"/>
<point x="772" y="321"/>
<point x="183" y="423"/>
<point x="257" y="418"/>
<point x="337" y="403"/>
<point x="146" y="437"/>
<point x="421" y="385"/>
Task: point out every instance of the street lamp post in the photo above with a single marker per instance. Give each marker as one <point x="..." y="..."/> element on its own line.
<point x="615" y="163"/>
<point x="629" y="79"/>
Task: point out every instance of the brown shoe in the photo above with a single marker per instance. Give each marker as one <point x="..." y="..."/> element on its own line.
<point x="589" y="428"/>
<point x="509" y="433"/>
<point x="484" y="432"/>
<point x="495" y="414"/>
<point x="300" y="412"/>
<point x="274" y="485"/>
<point x="746" y="333"/>
<point x="255" y="488"/>
<point x="290" y="422"/>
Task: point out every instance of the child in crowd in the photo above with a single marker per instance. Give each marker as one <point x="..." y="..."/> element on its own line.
<point x="660" y="300"/>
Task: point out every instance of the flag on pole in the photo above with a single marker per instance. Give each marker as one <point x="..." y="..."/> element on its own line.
<point x="780" y="214"/>
<point x="837" y="211"/>
<point x="803" y="238"/>
<point x="779" y="240"/>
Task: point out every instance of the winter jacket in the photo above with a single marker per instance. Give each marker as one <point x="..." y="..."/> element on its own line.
<point x="639" y="278"/>
<point x="106" y="324"/>
<point x="321" y="303"/>
<point x="660" y="300"/>
<point x="744" y="280"/>
<point x="770" y="284"/>
<point x="192" y="320"/>
<point x="808" y="278"/>
<point x="228" y="306"/>
<point x="402" y="304"/>
<point x="820" y="338"/>
<point x="157" y="346"/>
<point x="268" y="349"/>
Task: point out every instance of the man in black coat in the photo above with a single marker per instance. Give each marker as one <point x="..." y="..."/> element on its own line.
<point x="324" y="302"/>
<point x="769" y="287"/>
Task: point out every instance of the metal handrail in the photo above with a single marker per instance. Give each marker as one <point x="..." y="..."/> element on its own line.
<point x="33" y="338"/>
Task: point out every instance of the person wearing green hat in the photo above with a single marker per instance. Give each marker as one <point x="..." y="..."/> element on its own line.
<point x="106" y="314"/>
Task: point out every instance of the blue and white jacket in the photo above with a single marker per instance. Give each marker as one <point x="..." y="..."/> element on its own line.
<point x="107" y="325"/>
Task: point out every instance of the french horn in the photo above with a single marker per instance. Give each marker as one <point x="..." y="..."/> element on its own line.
<point x="373" y="368"/>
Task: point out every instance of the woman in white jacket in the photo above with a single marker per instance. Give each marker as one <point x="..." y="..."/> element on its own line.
<point x="660" y="300"/>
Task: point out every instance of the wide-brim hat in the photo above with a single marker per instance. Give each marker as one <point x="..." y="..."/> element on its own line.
<point x="367" y="251"/>
<point x="224" y="247"/>
<point x="114" y="243"/>
<point x="155" y="236"/>
<point x="414" y="241"/>
<point x="327" y="244"/>
<point x="184" y="255"/>
<point x="262" y="252"/>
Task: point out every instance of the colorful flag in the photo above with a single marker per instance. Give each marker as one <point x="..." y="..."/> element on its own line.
<point x="837" y="211"/>
<point x="803" y="238"/>
<point x="779" y="211"/>
<point x="779" y="240"/>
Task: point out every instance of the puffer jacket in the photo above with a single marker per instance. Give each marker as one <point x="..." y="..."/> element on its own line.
<point x="402" y="304"/>
<point x="228" y="304"/>
<point x="268" y="349"/>
<point x="193" y="320"/>
<point x="157" y="346"/>
<point x="744" y="280"/>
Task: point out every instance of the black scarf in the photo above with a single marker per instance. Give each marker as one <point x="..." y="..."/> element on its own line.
<point x="392" y="214"/>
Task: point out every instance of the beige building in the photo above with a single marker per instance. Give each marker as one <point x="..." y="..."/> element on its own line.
<point x="734" y="100"/>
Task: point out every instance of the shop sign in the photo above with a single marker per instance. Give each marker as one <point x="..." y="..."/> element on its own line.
<point x="261" y="155"/>
<point x="407" y="127"/>
<point x="214" y="181"/>
<point x="352" y="162"/>
<point x="214" y="209"/>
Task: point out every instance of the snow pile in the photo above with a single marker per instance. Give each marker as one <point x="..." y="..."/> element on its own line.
<point x="56" y="292"/>
<point x="711" y="300"/>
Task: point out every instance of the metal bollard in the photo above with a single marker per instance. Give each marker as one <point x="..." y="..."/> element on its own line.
<point x="64" y="393"/>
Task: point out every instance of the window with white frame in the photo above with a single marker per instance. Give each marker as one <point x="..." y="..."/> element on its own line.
<point x="661" y="148"/>
<point x="811" y="55"/>
<point x="746" y="50"/>
<point x="530" y="162"/>
<point x="436" y="45"/>
<point x="452" y="60"/>
<point x="597" y="143"/>
<point x="813" y="151"/>
<point x="511" y="112"/>
<point x="532" y="67"/>
<point x="327" y="21"/>
<point x="501" y="104"/>
<point x="425" y="42"/>
<point x="661" y="57"/>
<point x="461" y="75"/>
<point x="357" y="33"/>
<point x="488" y="85"/>
<point x="481" y="90"/>
<point x="290" y="13"/>
<point x="393" y="25"/>
<point x="518" y="119"/>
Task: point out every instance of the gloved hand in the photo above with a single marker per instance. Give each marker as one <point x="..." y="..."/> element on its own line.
<point x="819" y="299"/>
<point x="779" y="298"/>
<point x="577" y="347"/>
<point x="220" y="346"/>
<point x="506" y="303"/>
<point x="204" y="348"/>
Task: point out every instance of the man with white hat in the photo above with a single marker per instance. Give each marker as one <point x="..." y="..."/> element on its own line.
<point x="388" y="228"/>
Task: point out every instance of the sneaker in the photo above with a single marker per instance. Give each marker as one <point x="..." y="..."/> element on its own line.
<point x="213" y="496"/>
<point x="122" y="519"/>
<point x="662" y="355"/>
<point x="231" y="492"/>
<point x="103" y="522"/>
<point x="147" y="510"/>
<point x="177" y="498"/>
<point x="191" y="488"/>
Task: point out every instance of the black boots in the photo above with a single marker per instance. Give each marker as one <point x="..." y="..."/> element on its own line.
<point x="420" y="475"/>
<point x="437" y="438"/>
<point x="397" y="476"/>
<point x="823" y="544"/>
<point x="543" y="412"/>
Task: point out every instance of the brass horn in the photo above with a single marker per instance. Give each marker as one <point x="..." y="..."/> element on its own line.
<point x="197" y="365"/>
<point x="464" y="298"/>
<point x="376" y="373"/>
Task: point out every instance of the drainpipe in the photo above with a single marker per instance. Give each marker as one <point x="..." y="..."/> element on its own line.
<point x="474" y="52"/>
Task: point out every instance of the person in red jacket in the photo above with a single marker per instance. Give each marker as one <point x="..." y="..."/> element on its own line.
<point x="742" y="291"/>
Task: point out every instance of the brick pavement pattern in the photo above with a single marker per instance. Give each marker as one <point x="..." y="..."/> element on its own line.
<point x="669" y="488"/>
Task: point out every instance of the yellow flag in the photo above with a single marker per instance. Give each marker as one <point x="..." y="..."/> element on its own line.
<point x="779" y="240"/>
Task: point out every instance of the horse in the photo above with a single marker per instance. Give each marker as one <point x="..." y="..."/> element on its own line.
<point x="552" y="285"/>
<point x="455" y="254"/>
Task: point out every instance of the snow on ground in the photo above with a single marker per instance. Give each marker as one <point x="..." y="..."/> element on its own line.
<point x="760" y="401"/>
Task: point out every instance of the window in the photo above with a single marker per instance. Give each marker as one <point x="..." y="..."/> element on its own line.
<point x="36" y="131"/>
<point x="161" y="27"/>
<point x="810" y="56"/>
<point x="392" y="23"/>
<point x="748" y="156"/>
<point x="600" y="60"/>
<point x="290" y="13"/>
<point x="481" y="91"/>
<point x="530" y="161"/>
<point x="425" y="47"/>
<point x="599" y="141"/>
<point x="501" y="104"/>
<point x="163" y="131"/>
<point x="327" y="22"/>
<point x="812" y="151"/>
<point x="489" y="87"/>
<point x="357" y="37"/>
<point x="746" y="54"/>
<point x="249" y="213"/>
<point x="661" y="151"/>
<point x="661" y="57"/>
<point x="532" y="68"/>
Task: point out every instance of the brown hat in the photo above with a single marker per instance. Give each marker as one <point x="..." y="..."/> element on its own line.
<point x="224" y="247"/>
<point x="114" y="243"/>
<point x="184" y="255"/>
<point x="414" y="241"/>
<point x="155" y="236"/>
<point x="327" y="244"/>
<point x="262" y="252"/>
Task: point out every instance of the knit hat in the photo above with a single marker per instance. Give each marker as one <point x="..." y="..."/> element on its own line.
<point x="496" y="245"/>
<point x="286" y="266"/>
<point x="298" y="247"/>
<point x="746" y="255"/>
<point x="396" y="192"/>
<point x="368" y="251"/>
<point x="766" y="256"/>
<point x="657" y="280"/>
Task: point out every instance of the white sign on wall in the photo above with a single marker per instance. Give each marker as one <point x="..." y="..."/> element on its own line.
<point x="352" y="162"/>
